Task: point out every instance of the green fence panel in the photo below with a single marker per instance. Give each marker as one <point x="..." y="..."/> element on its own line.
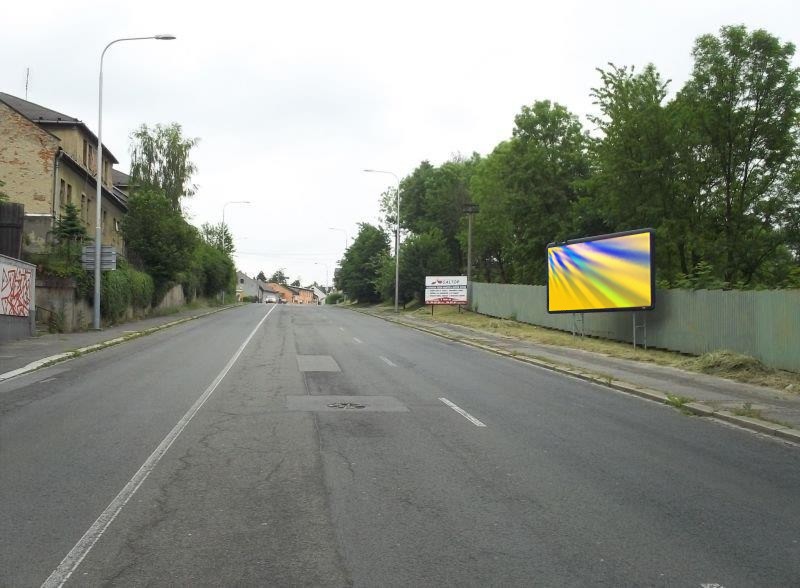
<point x="762" y="324"/>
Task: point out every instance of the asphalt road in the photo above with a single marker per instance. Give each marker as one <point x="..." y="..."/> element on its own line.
<point x="191" y="458"/>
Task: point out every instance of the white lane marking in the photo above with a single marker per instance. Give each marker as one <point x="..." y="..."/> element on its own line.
<point x="357" y="340"/>
<point x="82" y="548"/>
<point x="341" y="329"/>
<point x="47" y="380"/>
<point x="388" y="361"/>
<point x="463" y="413"/>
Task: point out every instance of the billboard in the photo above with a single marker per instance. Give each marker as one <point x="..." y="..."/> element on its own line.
<point x="445" y="289"/>
<point x="603" y="273"/>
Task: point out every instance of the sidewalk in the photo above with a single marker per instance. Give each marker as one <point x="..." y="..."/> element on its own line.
<point x="23" y="355"/>
<point x="700" y="394"/>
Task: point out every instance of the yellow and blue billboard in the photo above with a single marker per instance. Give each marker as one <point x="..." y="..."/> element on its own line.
<point x="603" y="273"/>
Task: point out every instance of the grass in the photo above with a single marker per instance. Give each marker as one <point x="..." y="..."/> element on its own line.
<point x="747" y="410"/>
<point x="725" y="364"/>
<point x="679" y="402"/>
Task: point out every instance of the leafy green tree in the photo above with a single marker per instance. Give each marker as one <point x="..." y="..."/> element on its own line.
<point x="420" y="255"/>
<point x="296" y="284"/>
<point x="492" y="243"/>
<point x="218" y="236"/>
<point x="633" y="181"/>
<point x="547" y="161"/>
<point x="361" y="266"/>
<point x="261" y="277"/>
<point x="434" y="198"/>
<point x="279" y="277"/>
<point x="740" y="112"/>
<point x="157" y="237"/>
<point x="218" y="273"/>
<point x="160" y="160"/>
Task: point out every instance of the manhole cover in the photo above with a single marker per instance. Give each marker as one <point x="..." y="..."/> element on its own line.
<point x="346" y="405"/>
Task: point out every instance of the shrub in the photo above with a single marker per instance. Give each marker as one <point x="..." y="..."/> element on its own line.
<point x="334" y="298"/>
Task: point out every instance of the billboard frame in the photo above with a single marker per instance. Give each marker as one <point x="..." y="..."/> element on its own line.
<point x="649" y="231"/>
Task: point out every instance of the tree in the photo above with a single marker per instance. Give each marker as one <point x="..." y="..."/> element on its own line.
<point x="69" y="227"/>
<point x="279" y="277"/>
<point x="160" y="160"/>
<point x="361" y="266"/>
<point x="420" y="255"/>
<point x="739" y="112"/>
<point x="434" y="198"/>
<point x="296" y="283"/>
<point x="218" y="236"/>
<point x="157" y="237"/>
<point x="261" y="277"/>
<point x="547" y="160"/>
<point x="633" y="181"/>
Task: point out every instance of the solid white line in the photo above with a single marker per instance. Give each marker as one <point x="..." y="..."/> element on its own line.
<point x="76" y="555"/>
<point x="388" y="361"/>
<point x="357" y="340"/>
<point x="463" y="413"/>
<point x="341" y="329"/>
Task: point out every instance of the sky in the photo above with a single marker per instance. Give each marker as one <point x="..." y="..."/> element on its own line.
<point x="292" y="100"/>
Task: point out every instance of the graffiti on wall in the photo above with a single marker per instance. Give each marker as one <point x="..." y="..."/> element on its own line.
<point x="15" y="290"/>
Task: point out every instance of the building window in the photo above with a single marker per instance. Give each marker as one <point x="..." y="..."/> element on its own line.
<point x="85" y="153"/>
<point x="62" y="193"/>
<point x="104" y="223"/>
<point x="69" y="193"/>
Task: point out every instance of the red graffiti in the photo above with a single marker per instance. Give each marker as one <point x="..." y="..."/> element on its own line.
<point x="15" y="291"/>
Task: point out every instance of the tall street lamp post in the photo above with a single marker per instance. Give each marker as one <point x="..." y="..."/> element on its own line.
<point x="222" y="236"/>
<point x="98" y="230"/>
<point x="396" y="237"/>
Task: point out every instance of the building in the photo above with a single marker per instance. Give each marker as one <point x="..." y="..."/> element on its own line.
<point x="245" y="286"/>
<point x="266" y="294"/>
<point x="319" y="293"/>
<point x="49" y="159"/>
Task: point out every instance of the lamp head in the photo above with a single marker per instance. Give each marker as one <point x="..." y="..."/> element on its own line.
<point x="165" y="37"/>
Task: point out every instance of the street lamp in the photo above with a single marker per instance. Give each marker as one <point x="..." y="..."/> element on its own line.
<point x="222" y="231"/>
<point x="98" y="230"/>
<point x="396" y="236"/>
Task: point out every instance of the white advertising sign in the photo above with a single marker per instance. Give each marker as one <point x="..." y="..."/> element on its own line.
<point x="445" y="289"/>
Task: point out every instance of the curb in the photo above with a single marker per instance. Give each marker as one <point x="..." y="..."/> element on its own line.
<point x="695" y="408"/>
<point x="62" y="357"/>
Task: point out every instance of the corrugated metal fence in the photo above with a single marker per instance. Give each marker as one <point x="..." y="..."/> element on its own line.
<point x="763" y="324"/>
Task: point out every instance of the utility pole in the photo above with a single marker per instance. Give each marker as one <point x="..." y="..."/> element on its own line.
<point x="470" y="209"/>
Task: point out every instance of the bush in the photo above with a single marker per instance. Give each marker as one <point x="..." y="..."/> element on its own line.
<point x="334" y="298"/>
<point x="122" y="288"/>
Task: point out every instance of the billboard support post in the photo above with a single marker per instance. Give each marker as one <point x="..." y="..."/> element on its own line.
<point x="642" y="326"/>
<point x="575" y="322"/>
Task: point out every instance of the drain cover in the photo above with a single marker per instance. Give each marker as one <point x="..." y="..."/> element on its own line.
<point x="346" y="405"/>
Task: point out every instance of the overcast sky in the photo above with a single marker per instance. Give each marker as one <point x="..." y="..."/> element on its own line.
<point x="291" y="100"/>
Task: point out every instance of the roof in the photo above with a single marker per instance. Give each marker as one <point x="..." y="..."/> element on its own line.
<point x="120" y="178"/>
<point x="36" y="112"/>
<point x="46" y="116"/>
